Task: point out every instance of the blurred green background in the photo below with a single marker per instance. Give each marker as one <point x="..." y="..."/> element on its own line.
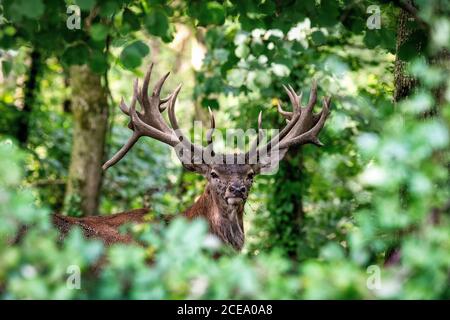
<point x="364" y="217"/>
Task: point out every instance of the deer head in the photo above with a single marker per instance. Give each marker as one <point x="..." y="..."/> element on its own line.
<point x="230" y="176"/>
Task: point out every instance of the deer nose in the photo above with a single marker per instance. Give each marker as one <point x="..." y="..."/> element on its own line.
<point x="238" y="189"/>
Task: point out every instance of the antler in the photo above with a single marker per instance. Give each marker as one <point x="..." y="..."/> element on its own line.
<point x="303" y="125"/>
<point x="150" y="122"/>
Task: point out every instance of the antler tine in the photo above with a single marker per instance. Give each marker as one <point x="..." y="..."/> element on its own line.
<point x="312" y="96"/>
<point x="143" y="94"/>
<point x="295" y="101"/>
<point x="213" y="126"/>
<point x="297" y="98"/>
<point x="325" y="106"/>
<point x="124" y="107"/>
<point x="143" y="97"/>
<point x="154" y="105"/>
<point x="286" y="114"/>
<point x="209" y="134"/>
<point x="174" y="123"/>
<point x="260" y="132"/>
<point x="298" y="107"/>
<point x="150" y="122"/>
<point x="292" y="96"/>
<point x="157" y="91"/>
<point x="172" y="117"/>
<point x="316" y="116"/>
<point x="285" y="131"/>
<point x="122" y="152"/>
<point x="310" y="136"/>
<point x="252" y="152"/>
<point x="146" y="82"/>
<point x="135" y="95"/>
<point x="163" y="103"/>
<point x="143" y="129"/>
<point x="304" y="126"/>
<point x="134" y="138"/>
<point x="159" y="84"/>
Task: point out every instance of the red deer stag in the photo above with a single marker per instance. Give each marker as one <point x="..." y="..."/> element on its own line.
<point x="229" y="180"/>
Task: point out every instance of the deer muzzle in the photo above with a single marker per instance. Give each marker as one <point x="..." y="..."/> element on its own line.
<point x="235" y="194"/>
<point x="234" y="200"/>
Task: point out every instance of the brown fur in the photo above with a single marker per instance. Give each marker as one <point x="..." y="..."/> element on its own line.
<point x="105" y="228"/>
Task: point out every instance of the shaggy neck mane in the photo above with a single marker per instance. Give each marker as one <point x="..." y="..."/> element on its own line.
<point x="225" y="221"/>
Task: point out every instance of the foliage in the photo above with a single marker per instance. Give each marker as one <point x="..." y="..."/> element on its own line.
<point x="175" y="263"/>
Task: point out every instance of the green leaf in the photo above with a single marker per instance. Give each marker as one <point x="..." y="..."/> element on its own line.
<point x="388" y="39"/>
<point x="371" y="39"/>
<point x="221" y="55"/>
<point x="318" y="38"/>
<point x="141" y="47"/>
<point x="130" y="18"/>
<point x="76" y="55"/>
<point x="32" y="9"/>
<point x="98" y="62"/>
<point x="109" y="8"/>
<point x="85" y="5"/>
<point x="212" y="103"/>
<point x="99" y="32"/>
<point x="236" y="77"/>
<point x="211" y="14"/>
<point x="263" y="79"/>
<point x="412" y="46"/>
<point x="242" y="51"/>
<point x="9" y="30"/>
<point x="280" y="70"/>
<point x="131" y="56"/>
<point x="157" y="23"/>
<point x="327" y="14"/>
<point x="216" y="13"/>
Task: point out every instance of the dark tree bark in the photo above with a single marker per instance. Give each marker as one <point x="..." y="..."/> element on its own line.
<point x="30" y="92"/>
<point x="67" y="103"/>
<point x="403" y="82"/>
<point x="90" y="118"/>
<point x="404" y="86"/>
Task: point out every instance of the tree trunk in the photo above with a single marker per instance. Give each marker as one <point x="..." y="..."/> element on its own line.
<point x="90" y="118"/>
<point x="286" y="221"/>
<point x="30" y="90"/>
<point x="403" y="83"/>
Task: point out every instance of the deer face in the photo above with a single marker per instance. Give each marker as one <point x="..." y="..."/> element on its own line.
<point x="228" y="186"/>
<point x="230" y="183"/>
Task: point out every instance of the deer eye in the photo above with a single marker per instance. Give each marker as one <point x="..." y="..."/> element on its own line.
<point x="214" y="175"/>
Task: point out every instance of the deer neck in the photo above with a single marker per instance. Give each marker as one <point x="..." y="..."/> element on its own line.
<point x="225" y="221"/>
